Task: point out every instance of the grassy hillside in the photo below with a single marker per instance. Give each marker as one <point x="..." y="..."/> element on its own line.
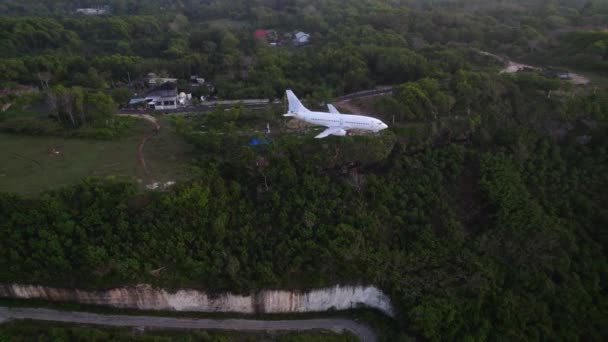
<point x="34" y="164"/>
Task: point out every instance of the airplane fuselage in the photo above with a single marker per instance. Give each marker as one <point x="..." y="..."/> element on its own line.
<point x="337" y="124"/>
<point x="344" y="121"/>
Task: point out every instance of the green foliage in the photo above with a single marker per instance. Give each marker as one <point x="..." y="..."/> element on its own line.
<point x="27" y="124"/>
<point x="533" y="81"/>
<point x="500" y="239"/>
<point x="418" y="101"/>
<point x="121" y="96"/>
<point x="528" y="250"/>
<point x="100" y="107"/>
<point x="71" y="112"/>
<point x="31" y="126"/>
<point x="74" y="107"/>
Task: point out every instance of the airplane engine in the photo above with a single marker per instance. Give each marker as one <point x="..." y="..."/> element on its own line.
<point x="340" y="133"/>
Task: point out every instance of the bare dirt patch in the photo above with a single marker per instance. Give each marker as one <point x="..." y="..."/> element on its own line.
<point x="579" y="79"/>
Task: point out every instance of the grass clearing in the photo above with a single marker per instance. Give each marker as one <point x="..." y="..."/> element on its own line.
<point x="33" y="164"/>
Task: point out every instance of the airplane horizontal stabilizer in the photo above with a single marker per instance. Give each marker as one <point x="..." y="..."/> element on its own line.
<point x="332" y="109"/>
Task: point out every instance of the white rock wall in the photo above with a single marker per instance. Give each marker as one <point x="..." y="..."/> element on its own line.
<point x="268" y="301"/>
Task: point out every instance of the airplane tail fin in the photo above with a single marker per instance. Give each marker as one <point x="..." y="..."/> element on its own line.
<point x="295" y="106"/>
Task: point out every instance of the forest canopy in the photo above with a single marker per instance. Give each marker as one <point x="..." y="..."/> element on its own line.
<point x="481" y="212"/>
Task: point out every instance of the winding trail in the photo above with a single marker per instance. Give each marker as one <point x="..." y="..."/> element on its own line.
<point x="140" y="149"/>
<point x="344" y="102"/>
<point x="146" y="117"/>
<point x="329" y="324"/>
<point x="512" y="67"/>
<point x="140" y="153"/>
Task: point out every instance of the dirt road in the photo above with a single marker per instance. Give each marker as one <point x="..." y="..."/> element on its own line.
<point x="140" y="148"/>
<point x="336" y="325"/>
<point x="512" y="67"/>
<point x="146" y="117"/>
<point x="344" y="102"/>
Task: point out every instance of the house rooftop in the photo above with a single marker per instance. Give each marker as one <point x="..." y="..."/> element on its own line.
<point x="167" y="89"/>
<point x="260" y="34"/>
<point x="92" y="11"/>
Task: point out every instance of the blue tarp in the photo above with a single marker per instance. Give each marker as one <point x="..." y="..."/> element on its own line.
<point x="256" y="141"/>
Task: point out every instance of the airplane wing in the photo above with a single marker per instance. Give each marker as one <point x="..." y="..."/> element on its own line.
<point x="331" y="130"/>
<point x="332" y="109"/>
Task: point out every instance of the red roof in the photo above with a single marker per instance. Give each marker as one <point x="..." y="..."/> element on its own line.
<point x="260" y="34"/>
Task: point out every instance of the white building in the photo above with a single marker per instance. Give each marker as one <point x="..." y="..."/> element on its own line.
<point x="92" y="11"/>
<point x="196" y="81"/>
<point x="301" y="38"/>
<point x="163" y="97"/>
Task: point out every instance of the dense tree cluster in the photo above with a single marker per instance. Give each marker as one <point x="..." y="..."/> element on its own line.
<point x="500" y="236"/>
<point x="587" y="49"/>
<point x="358" y="44"/>
<point x="72" y="107"/>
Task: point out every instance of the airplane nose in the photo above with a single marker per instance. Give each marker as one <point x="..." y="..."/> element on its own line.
<point x="384" y="126"/>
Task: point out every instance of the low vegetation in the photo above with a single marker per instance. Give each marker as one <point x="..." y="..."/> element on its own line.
<point x="31" y="165"/>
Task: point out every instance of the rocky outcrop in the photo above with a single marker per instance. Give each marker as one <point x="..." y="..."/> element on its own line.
<point x="146" y="297"/>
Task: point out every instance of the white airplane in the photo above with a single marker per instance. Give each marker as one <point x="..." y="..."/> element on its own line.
<point x="336" y="123"/>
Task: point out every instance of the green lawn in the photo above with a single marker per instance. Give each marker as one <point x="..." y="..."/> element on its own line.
<point x="28" y="166"/>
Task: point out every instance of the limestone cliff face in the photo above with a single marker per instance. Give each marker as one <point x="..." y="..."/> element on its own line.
<point x="268" y="301"/>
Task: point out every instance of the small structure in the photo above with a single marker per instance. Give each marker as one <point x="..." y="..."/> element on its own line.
<point x="561" y="74"/>
<point x="137" y="102"/>
<point x="94" y="11"/>
<point x="260" y="34"/>
<point x="301" y="38"/>
<point x="269" y="36"/>
<point x="184" y="99"/>
<point x="156" y="80"/>
<point x="53" y="151"/>
<point x="258" y="142"/>
<point x="163" y="97"/>
<point x="196" y="81"/>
